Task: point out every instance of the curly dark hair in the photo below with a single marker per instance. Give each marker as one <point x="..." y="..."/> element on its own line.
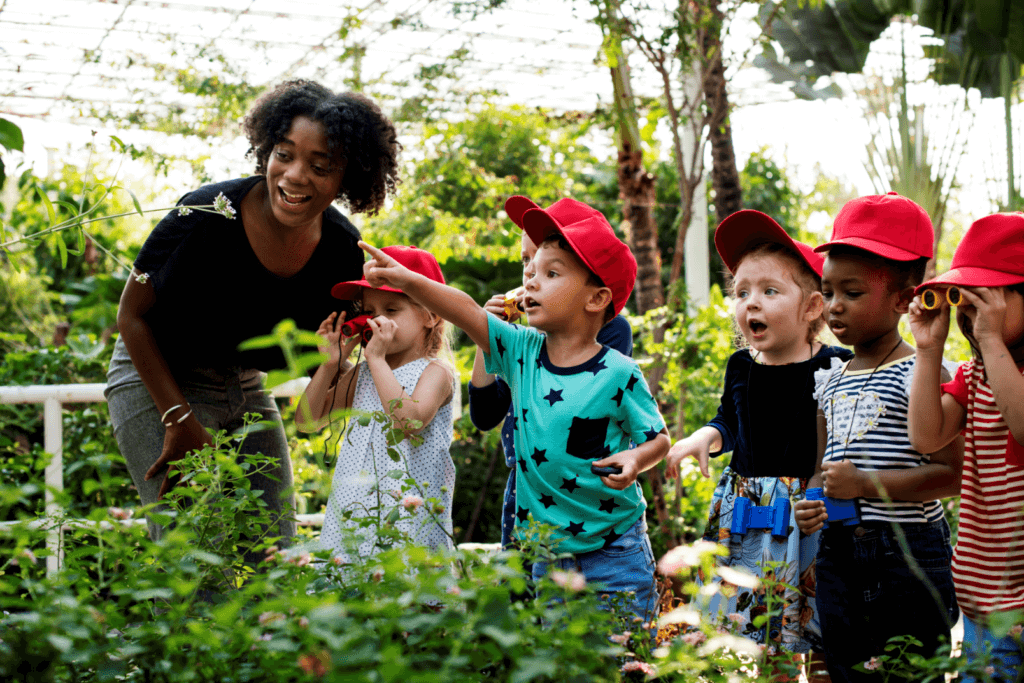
<point x="355" y="126"/>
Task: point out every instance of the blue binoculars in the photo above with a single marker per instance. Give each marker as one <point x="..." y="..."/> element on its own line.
<point x="747" y="516"/>
<point x="838" y="509"/>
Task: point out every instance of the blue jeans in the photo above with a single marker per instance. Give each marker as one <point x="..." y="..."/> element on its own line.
<point x="1005" y="652"/>
<point x="626" y="568"/>
<point x="219" y="401"/>
<point x="867" y="592"/>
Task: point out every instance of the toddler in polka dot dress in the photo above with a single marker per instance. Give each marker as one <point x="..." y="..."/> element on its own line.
<point x="407" y="373"/>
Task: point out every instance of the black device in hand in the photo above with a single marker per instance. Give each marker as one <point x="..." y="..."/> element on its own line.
<point x="605" y="471"/>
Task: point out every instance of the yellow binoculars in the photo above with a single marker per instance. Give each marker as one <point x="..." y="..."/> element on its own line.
<point x="932" y="298"/>
<point x="511" y="304"/>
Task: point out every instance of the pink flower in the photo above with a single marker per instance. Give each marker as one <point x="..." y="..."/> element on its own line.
<point x="685" y="556"/>
<point x="315" y="664"/>
<point x="872" y="664"/>
<point x="303" y="622"/>
<point x="336" y="561"/>
<point x="990" y="670"/>
<point x="24" y="554"/>
<point x="694" y="638"/>
<point x="301" y="560"/>
<point x="377" y="576"/>
<point x="411" y="503"/>
<point x="622" y="638"/>
<point x="1016" y="629"/>
<point x="735" y="618"/>
<point x="269" y="618"/>
<point x="574" y="581"/>
<point x="453" y="590"/>
<point x="639" y="666"/>
<point x="120" y="513"/>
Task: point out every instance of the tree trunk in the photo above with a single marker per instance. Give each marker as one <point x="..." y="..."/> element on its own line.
<point x="636" y="190"/>
<point x="725" y="177"/>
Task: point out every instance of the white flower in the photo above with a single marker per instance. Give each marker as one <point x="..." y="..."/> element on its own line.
<point x="574" y="581"/>
<point x="680" y="615"/>
<point x="738" y="578"/>
<point x="621" y="638"/>
<point x="872" y="664"/>
<point x="222" y="205"/>
<point x="142" y="278"/>
<point x="684" y="556"/>
<point x="640" y="666"/>
<point x="185" y="210"/>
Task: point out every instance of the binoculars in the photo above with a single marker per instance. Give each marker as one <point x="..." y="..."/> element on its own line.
<point x="358" y="325"/>
<point x="745" y="516"/>
<point x="838" y="509"/>
<point x="511" y="303"/>
<point x="932" y="298"/>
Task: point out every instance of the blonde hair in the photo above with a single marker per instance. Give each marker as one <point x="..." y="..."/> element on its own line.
<point x="438" y="343"/>
<point x="806" y="279"/>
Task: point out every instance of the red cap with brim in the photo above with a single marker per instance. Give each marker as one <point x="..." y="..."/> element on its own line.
<point x="991" y="254"/>
<point x="589" y="234"/>
<point x="413" y="258"/>
<point x="888" y="225"/>
<point x="742" y="231"/>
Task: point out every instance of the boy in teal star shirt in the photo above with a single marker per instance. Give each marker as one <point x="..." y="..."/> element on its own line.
<point x="580" y="403"/>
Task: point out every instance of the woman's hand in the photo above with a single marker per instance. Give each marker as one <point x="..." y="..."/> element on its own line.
<point x="842" y="479"/>
<point x="383" y="332"/>
<point x="330" y="332"/>
<point x="929" y="327"/>
<point x="690" y="446"/>
<point x="179" y="439"/>
<point x="810" y="515"/>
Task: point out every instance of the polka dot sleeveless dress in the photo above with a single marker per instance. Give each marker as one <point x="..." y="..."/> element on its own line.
<point x="363" y="459"/>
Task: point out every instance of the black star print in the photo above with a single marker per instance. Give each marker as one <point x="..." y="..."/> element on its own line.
<point x="547" y="501"/>
<point x="515" y="423"/>
<point x="622" y="426"/>
<point x="633" y="379"/>
<point x="554" y="397"/>
<point x="522" y="513"/>
<point x="597" y="367"/>
<point x="575" y="528"/>
<point x="611" y="537"/>
<point x="501" y="347"/>
<point x="521" y="368"/>
<point x="539" y="364"/>
<point x="522" y="464"/>
<point x="619" y="395"/>
<point x="608" y="505"/>
<point x="538" y="456"/>
<point x="525" y="410"/>
<point x="569" y="485"/>
<point x="650" y="433"/>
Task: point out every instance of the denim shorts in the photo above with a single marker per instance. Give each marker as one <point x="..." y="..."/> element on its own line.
<point x="625" y="568"/>
<point x="219" y="399"/>
<point x="1004" y="654"/>
<point x="868" y="592"/>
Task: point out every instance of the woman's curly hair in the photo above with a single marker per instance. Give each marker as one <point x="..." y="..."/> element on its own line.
<point x="355" y="127"/>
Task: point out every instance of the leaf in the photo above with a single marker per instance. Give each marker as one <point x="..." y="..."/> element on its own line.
<point x="135" y="201"/>
<point x="10" y="136"/>
<point x="48" y="204"/>
<point x="63" y="248"/>
<point x="396" y="474"/>
<point x="264" y="342"/>
<point x="60" y="642"/>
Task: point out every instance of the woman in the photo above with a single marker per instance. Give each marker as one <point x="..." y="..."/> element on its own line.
<point x="205" y="282"/>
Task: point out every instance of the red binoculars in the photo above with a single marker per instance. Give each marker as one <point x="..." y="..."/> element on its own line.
<point x="358" y="325"/>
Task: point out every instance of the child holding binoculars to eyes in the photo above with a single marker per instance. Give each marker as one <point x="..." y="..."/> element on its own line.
<point x="407" y="359"/>
<point x="985" y="401"/>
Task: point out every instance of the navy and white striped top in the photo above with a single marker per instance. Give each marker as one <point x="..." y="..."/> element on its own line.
<point x="867" y="424"/>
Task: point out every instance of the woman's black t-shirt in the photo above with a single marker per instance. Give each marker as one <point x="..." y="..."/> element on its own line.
<point x="768" y="417"/>
<point x="212" y="292"/>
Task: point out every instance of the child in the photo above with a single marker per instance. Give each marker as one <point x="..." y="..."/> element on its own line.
<point x="985" y="401"/>
<point x="403" y="362"/>
<point x="767" y="419"/>
<point x="868" y="589"/>
<point x="579" y="403"/>
<point x="490" y="400"/>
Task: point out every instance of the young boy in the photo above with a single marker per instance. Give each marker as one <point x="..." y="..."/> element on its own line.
<point x="490" y="399"/>
<point x="868" y="589"/>
<point x="579" y="403"/>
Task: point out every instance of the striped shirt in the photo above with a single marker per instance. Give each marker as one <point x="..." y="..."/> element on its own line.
<point x="866" y="412"/>
<point x="988" y="561"/>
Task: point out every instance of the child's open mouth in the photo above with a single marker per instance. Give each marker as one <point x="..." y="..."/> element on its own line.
<point x="837" y="327"/>
<point x="293" y="199"/>
<point x="529" y="303"/>
<point x="757" y="328"/>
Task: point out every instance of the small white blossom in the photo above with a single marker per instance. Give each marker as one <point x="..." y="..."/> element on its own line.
<point x="222" y="205"/>
<point x="185" y="211"/>
<point x="872" y="664"/>
<point x="142" y="278"/>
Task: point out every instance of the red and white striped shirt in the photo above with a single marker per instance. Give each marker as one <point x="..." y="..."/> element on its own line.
<point x="988" y="562"/>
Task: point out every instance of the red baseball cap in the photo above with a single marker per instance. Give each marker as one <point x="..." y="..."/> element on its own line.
<point x="589" y="234"/>
<point x="413" y="258"/>
<point x="742" y="231"/>
<point x="991" y="254"/>
<point x="889" y="225"/>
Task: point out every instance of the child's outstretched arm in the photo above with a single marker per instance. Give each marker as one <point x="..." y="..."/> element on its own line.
<point x="452" y="304"/>
<point x="933" y="419"/>
<point x="700" y="444"/>
<point x="1003" y="374"/>
<point x="634" y="461"/>
<point x="432" y="391"/>
<point x="322" y="395"/>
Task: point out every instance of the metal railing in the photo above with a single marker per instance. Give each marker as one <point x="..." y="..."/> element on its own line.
<point x="53" y="397"/>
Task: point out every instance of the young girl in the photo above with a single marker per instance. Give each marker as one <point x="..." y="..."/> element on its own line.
<point x="403" y="364"/>
<point x="767" y="420"/>
<point x="490" y="399"/>
<point x="886" y="573"/>
<point x="985" y="400"/>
